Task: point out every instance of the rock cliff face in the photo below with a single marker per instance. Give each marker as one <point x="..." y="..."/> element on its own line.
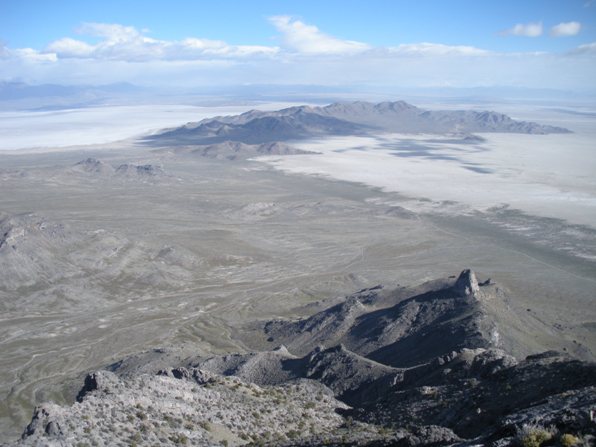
<point x="429" y="365"/>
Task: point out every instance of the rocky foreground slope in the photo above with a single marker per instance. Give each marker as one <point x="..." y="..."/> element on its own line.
<point x="444" y="363"/>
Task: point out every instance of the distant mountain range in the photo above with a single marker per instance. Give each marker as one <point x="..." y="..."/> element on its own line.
<point x="20" y="90"/>
<point x="354" y="118"/>
<point x="19" y="95"/>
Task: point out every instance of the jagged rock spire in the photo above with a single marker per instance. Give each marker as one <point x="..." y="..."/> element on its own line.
<point x="467" y="284"/>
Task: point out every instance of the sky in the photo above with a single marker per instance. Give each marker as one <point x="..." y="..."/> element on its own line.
<point x="546" y="44"/>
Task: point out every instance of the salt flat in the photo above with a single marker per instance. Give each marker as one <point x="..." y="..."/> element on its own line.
<point x="545" y="175"/>
<point x="47" y="130"/>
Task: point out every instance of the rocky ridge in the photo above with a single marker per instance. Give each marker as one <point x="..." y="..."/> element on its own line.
<point x="127" y="171"/>
<point x="356" y="118"/>
<point x="235" y="150"/>
<point x="419" y="366"/>
<point x="42" y="253"/>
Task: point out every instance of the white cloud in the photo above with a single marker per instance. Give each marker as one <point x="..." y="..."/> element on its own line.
<point x="308" y="39"/>
<point x="565" y="29"/>
<point x="588" y="48"/>
<point x="30" y="55"/>
<point x="68" y="47"/>
<point x="438" y="49"/>
<point x="220" y="48"/>
<point x="106" y="53"/>
<point x="112" y="32"/>
<point x="126" y="43"/>
<point x="527" y="30"/>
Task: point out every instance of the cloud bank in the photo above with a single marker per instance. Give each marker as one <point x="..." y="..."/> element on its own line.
<point x="302" y="54"/>
<point x="126" y="43"/>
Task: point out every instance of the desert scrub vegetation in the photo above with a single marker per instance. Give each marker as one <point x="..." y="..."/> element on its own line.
<point x="534" y="435"/>
<point x="569" y="440"/>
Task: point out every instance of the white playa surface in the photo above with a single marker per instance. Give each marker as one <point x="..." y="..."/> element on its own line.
<point x="544" y="175"/>
<point x="48" y="130"/>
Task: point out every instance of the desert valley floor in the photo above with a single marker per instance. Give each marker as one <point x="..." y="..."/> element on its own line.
<point x="115" y="249"/>
<point x="185" y="257"/>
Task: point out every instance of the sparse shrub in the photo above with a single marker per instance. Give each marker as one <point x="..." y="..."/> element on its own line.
<point x="309" y="405"/>
<point x="205" y="425"/>
<point x="179" y="438"/>
<point x="349" y="422"/>
<point x="382" y="430"/>
<point x="292" y="434"/>
<point x="568" y="440"/>
<point x="531" y="435"/>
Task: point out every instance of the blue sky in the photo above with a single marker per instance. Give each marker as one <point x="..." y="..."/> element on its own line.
<point x="543" y="43"/>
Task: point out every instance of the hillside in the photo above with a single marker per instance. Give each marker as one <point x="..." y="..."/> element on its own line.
<point x="430" y="365"/>
<point x="357" y="118"/>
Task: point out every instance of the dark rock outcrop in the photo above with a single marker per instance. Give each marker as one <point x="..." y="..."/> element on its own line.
<point x="94" y="166"/>
<point x="235" y="150"/>
<point x="140" y="171"/>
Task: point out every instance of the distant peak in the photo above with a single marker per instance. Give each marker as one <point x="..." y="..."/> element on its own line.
<point x="394" y="106"/>
<point x="467" y="284"/>
<point x="89" y="161"/>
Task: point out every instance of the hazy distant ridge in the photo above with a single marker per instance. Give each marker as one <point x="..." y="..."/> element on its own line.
<point x="353" y="118"/>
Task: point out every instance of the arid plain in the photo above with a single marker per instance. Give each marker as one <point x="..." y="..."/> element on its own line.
<point x="174" y="249"/>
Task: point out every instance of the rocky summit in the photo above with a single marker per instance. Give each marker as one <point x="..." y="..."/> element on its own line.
<point x="443" y="363"/>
